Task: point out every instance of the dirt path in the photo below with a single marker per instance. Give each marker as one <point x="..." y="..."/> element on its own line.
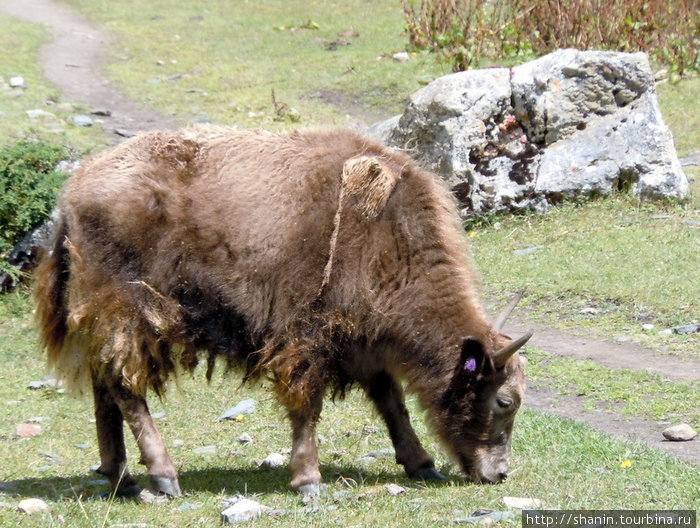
<point x="72" y="61"/>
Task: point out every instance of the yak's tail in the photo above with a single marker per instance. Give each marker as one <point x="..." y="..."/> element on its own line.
<point x="50" y="281"/>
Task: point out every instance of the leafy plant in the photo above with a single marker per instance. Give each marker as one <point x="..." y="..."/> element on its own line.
<point x="29" y="185"/>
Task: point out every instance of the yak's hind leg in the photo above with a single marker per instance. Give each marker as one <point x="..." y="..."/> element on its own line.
<point x="388" y="397"/>
<point x="110" y="438"/>
<point x="154" y="455"/>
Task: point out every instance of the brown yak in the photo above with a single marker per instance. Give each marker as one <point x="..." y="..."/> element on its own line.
<point x="316" y="258"/>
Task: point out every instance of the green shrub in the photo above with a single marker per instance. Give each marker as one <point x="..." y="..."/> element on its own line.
<point x="466" y="31"/>
<point x="29" y="186"/>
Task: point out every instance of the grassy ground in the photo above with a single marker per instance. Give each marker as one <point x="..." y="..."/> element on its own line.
<point x="632" y="263"/>
<point x="24" y="39"/>
<point x="560" y="462"/>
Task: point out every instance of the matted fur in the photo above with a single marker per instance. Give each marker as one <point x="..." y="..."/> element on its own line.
<point x="318" y="258"/>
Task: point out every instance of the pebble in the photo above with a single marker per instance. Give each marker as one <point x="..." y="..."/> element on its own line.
<point x="238" y="411"/>
<point x="244" y="438"/>
<point x="402" y="56"/>
<point x="679" y="433"/>
<point x="527" y="251"/>
<point x="30" y="506"/>
<point x="647" y="327"/>
<point x="241" y="511"/>
<point x="37" y="113"/>
<point x="205" y="450"/>
<point x="274" y="460"/>
<point x="522" y="503"/>
<point x="150" y="496"/>
<point x="687" y="329"/>
<point x="81" y="120"/>
<point x="488" y="519"/>
<point x="25" y="430"/>
<point x="101" y="112"/>
<point x="18" y="82"/>
<point x="395" y="489"/>
<point x="178" y="443"/>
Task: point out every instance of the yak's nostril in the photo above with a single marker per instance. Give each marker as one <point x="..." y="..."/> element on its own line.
<point x="502" y="476"/>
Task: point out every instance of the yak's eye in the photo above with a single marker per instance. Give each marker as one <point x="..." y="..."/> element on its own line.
<point x="504" y="403"/>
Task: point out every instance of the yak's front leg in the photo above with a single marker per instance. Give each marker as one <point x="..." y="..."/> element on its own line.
<point x="110" y="438"/>
<point x="303" y="464"/>
<point x="389" y="400"/>
<point x="154" y="455"/>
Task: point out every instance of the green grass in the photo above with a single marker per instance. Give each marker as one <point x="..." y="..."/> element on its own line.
<point x="581" y="468"/>
<point x="215" y="61"/>
<point x="24" y="39"/>
<point x="219" y="61"/>
<point x="632" y="263"/>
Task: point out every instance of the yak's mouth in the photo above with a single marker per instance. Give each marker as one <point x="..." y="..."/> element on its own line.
<point x="478" y="476"/>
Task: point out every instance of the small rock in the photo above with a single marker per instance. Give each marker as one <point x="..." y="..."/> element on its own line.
<point x="158" y="415"/>
<point x="527" y="250"/>
<point x="235" y="413"/>
<point x="82" y="447"/>
<point x="274" y="460"/>
<point x="244" y="438"/>
<point x="38" y="113"/>
<point x="205" y="450"/>
<point x="687" y="329"/>
<point x="679" y="433"/>
<point x="402" y="56"/>
<point x="81" y="120"/>
<point x="241" y="511"/>
<point x="188" y="506"/>
<point x="150" y="496"/>
<point x="487" y="519"/>
<point x="647" y="327"/>
<point x="18" y="82"/>
<point x="395" y="489"/>
<point x="522" y="503"/>
<point x="667" y="332"/>
<point x="30" y="506"/>
<point x="178" y="443"/>
<point x="588" y="311"/>
<point x="101" y="112"/>
<point x="25" y="430"/>
<point x="36" y="385"/>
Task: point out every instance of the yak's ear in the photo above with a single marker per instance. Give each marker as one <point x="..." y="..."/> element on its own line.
<point x="370" y="182"/>
<point x="473" y="359"/>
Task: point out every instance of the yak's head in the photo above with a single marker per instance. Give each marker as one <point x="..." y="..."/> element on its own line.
<point x="479" y="406"/>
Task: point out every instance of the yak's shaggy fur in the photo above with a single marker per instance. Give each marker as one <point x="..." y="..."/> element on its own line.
<point x="318" y="257"/>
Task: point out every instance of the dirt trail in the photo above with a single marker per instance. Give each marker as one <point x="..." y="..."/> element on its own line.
<point x="73" y="60"/>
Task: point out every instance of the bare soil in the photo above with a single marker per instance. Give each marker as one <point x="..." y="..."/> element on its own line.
<point x="73" y="61"/>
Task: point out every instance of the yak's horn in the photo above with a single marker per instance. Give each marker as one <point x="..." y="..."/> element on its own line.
<point x="503" y="355"/>
<point x="503" y="316"/>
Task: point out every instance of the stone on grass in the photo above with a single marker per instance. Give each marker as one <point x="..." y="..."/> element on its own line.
<point x="82" y="120"/>
<point x="487" y="519"/>
<point x="274" y="460"/>
<point x="26" y="430"/>
<point x="571" y="123"/>
<point x="395" y="489"/>
<point x="244" y="438"/>
<point x="238" y="411"/>
<point x="30" y="506"/>
<point x="679" y="433"/>
<point x="241" y="510"/>
<point x="18" y="82"/>
<point x="522" y="503"/>
<point x="205" y="450"/>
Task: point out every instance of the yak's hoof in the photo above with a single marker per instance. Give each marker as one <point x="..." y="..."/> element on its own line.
<point x="166" y="485"/>
<point x="428" y="473"/>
